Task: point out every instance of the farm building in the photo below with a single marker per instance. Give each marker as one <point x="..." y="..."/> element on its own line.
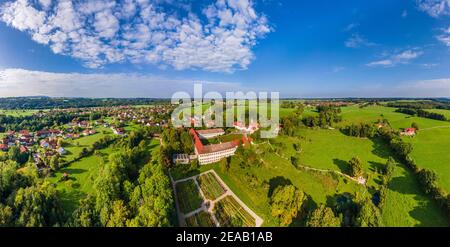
<point x="208" y="154"/>
<point x="409" y="132"/>
<point x="210" y="133"/>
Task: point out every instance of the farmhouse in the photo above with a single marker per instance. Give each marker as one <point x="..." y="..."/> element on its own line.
<point x="212" y="153"/>
<point x="409" y="132"/>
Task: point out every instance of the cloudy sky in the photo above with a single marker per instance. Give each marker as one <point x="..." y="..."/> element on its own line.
<point x="152" y="48"/>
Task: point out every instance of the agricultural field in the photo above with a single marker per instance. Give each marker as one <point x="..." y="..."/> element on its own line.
<point x="189" y="198"/>
<point x="430" y="145"/>
<point x="202" y="219"/>
<point x="446" y="113"/>
<point x="229" y="212"/>
<point x="210" y="187"/>
<point x="18" y="113"/>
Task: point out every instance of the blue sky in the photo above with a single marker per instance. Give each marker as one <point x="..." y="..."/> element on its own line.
<point x="319" y="48"/>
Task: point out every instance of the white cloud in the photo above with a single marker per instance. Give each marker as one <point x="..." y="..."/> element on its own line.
<point x="357" y="41"/>
<point x="403" y="57"/>
<point x="445" y="37"/>
<point x="21" y="82"/>
<point x="435" y="8"/>
<point x="165" y="33"/>
<point x="351" y="26"/>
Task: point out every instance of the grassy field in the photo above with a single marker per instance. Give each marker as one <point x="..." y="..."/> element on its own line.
<point x="17" y="113"/>
<point x="202" y="219"/>
<point x="82" y="174"/>
<point x="210" y="187"/>
<point x="431" y="149"/>
<point x="230" y="213"/>
<point x="188" y="196"/>
<point x="407" y="205"/>
<point x="430" y="145"/>
<point x="75" y="146"/>
<point x="446" y="113"/>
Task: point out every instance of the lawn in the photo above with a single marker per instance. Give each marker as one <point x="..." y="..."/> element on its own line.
<point x="188" y="196"/>
<point x="431" y="149"/>
<point x="407" y="205"/>
<point x="229" y="212"/>
<point x="82" y="174"/>
<point x="75" y="146"/>
<point x="210" y="187"/>
<point x="202" y="219"/>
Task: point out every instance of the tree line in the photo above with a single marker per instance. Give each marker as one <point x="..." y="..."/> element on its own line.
<point x="422" y="113"/>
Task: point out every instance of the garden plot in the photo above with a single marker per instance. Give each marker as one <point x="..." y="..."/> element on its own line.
<point x="211" y="188"/>
<point x="188" y="196"/>
<point x="205" y="200"/>
<point x="201" y="219"/>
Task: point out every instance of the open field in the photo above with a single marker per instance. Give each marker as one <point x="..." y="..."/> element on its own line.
<point x="230" y="213"/>
<point x="431" y="149"/>
<point x="18" y="113"/>
<point x="75" y="146"/>
<point x="446" y="113"/>
<point x="202" y="219"/>
<point x="210" y="187"/>
<point x="82" y="174"/>
<point x="189" y="197"/>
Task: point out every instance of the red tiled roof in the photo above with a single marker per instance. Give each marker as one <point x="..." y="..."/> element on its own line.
<point x="209" y="131"/>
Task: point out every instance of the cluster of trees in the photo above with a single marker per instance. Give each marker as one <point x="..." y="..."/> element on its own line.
<point x="132" y="190"/>
<point x="428" y="104"/>
<point x="323" y="216"/>
<point x="34" y="122"/>
<point x="177" y="140"/>
<point x="15" y="155"/>
<point x="50" y="103"/>
<point x="24" y="201"/>
<point x="363" y="130"/>
<point x="287" y="204"/>
<point x="427" y="178"/>
<point x="386" y="175"/>
<point x="422" y="113"/>
<point x="355" y="167"/>
<point x="328" y="115"/>
<point x="346" y="210"/>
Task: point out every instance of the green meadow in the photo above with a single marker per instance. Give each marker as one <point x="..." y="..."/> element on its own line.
<point x="83" y="172"/>
<point x="330" y="151"/>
